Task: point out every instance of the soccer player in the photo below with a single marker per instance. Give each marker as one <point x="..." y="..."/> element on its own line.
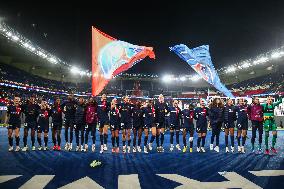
<point x="125" y="109"/>
<point x="188" y="126"/>
<point x="242" y="124"/>
<point x="69" y="108"/>
<point x="229" y="123"/>
<point x="255" y="114"/>
<point x="31" y="111"/>
<point x="137" y="125"/>
<point x="56" y="114"/>
<point x="91" y="122"/>
<point x="114" y="125"/>
<point x="103" y="110"/>
<point x="149" y="121"/>
<point x="216" y="109"/>
<point x="269" y="122"/>
<point x="175" y="122"/>
<point x="43" y="124"/>
<point x="161" y="109"/>
<point x="80" y="122"/>
<point x="13" y="119"/>
<point x="200" y="114"/>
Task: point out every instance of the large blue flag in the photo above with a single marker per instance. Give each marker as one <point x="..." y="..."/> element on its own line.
<point x="200" y="60"/>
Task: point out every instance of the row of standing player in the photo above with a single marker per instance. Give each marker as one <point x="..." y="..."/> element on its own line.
<point x="137" y="117"/>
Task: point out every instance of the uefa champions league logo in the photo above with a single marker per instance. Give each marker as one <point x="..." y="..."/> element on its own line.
<point x="115" y="54"/>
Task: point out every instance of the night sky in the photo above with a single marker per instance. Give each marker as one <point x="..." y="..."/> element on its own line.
<point x="234" y="31"/>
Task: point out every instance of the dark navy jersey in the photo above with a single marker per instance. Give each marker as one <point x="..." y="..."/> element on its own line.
<point x="103" y="109"/>
<point x="161" y="109"/>
<point x="43" y="118"/>
<point x="114" y="116"/>
<point x="14" y="113"/>
<point x="56" y="114"/>
<point x="188" y="116"/>
<point x="69" y="108"/>
<point x="242" y="113"/>
<point x="175" y="115"/>
<point x="125" y="111"/>
<point x="200" y="114"/>
<point x="148" y="115"/>
<point x="80" y="114"/>
<point x="229" y="114"/>
<point x="216" y="115"/>
<point x="31" y="112"/>
<point x="137" y="116"/>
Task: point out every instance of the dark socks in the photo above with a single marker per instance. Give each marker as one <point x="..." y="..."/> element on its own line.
<point x="123" y="143"/>
<point x="25" y="141"/>
<point x="177" y="137"/>
<point x="274" y="137"/>
<point x="203" y="141"/>
<point x="82" y="137"/>
<point x="226" y="140"/>
<point x="39" y="140"/>
<point x="77" y="137"/>
<point x="191" y="144"/>
<point x="212" y="139"/>
<point x="232" y="141"/>
<point x="54" y="140"/>
<point x="112" y="141"/>
<point x="198" y="141"/>
<point x="71" y="135"/>
<point x="217" y="140"/>
<point x="66" y="135"/>
<point x="139" y="141"/>
<point x="244" y="140"/>
<point x="45" y="140"/>
<point x="102" y="139"/>
<point x="172" y="138"/>
<point x="162" y="138"/>
<point x="239" y="140"/>
<point x="145" y="140"/>
<point x="58" y="138"/>
<point x="134" y="141"/>
<point x="10" y="139"/>
<point x="158" y="140"/>
<point x="184" y="141"/>
<point x="94" y="137"/>
<point x="129" y="142"/>
<point x="134" y="138"/>
<point x="105" y="138"/>
<point x="86" y="137"/>
<point x="117" y="141"/>
<point x="17" y="141"/>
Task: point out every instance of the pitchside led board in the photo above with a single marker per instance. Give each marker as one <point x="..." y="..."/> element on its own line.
<point x="110" y="57"/>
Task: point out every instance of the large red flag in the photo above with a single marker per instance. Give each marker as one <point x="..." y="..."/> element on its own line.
<point x="111" y="57"/>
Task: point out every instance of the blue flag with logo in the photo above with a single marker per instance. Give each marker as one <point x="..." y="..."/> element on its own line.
<point x="200" y="60"/>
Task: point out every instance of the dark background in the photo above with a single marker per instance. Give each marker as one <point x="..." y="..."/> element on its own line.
<point x="234" y="30"/>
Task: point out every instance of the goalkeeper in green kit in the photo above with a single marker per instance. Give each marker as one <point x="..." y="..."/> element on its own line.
<point x="269" y="122"/>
